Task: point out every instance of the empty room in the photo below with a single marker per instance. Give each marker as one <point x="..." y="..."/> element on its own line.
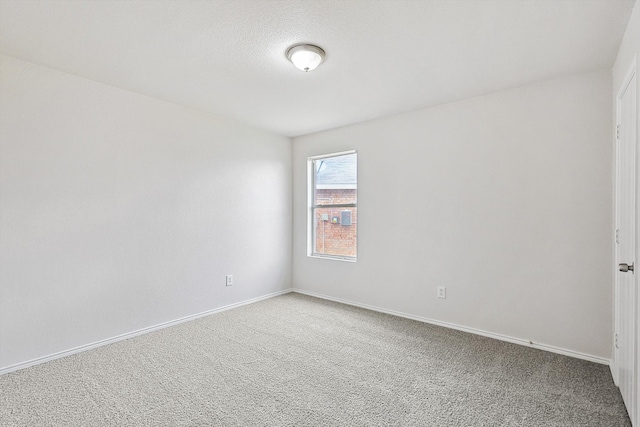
<point x="319" y="213"/>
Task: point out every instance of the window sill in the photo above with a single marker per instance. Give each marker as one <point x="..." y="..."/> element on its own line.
<point x="334" y="257"/>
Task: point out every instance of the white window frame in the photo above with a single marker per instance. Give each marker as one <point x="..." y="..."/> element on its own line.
<point x="311" y="223"/>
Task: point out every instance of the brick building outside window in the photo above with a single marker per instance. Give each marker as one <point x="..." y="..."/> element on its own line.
<point x="335" y="211"/>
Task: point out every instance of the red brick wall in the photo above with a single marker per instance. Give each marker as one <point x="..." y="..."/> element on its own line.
<point x="332" y="238"/>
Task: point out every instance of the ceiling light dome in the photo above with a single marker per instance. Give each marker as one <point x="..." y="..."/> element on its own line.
<point x="305" y="57"/>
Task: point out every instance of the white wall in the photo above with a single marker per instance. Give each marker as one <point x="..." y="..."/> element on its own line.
<point x="120" y="212"/>
<point x="505" y="199"/>
<point x="629" y="47"/>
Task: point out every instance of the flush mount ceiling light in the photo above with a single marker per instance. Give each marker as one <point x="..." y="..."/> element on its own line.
<point x="305" y="57"/>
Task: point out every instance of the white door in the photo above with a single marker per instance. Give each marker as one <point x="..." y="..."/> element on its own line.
<point x="626" y="298"/>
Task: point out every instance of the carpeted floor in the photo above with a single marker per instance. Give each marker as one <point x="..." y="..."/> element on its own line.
<point x="294" y="360"/>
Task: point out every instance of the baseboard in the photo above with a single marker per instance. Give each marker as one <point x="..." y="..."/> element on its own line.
<point x="614" y="372"/>
<point x="493" y="335"/>
<point x="128" y="335"/>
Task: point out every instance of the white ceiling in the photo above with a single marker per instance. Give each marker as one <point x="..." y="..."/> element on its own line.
<point x="227" y="57"/>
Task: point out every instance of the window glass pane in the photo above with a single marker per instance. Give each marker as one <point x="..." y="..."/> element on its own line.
<point x="334" y="214"/>
<point x="336" y="180"/>
<point x="334" y="235"/>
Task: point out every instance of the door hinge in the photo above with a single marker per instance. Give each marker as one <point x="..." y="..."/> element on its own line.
<point x="617" y="131"/>
<point x="617" y="235"/>
<point x="615" y="340"/>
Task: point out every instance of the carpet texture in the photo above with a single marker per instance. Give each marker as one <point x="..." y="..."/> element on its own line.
<point x="294" y="360"/>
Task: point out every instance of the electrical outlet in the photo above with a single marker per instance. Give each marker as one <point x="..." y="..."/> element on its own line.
<point x="442" y="292"/>
<point x="229" y="279"/>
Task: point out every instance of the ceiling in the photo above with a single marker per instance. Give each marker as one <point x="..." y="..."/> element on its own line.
<point x="227" y="57"/>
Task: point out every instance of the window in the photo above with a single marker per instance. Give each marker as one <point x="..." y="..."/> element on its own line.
<point x="333" y="206"/>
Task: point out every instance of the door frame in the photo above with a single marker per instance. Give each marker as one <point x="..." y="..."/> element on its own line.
<point x="635" y="406"/>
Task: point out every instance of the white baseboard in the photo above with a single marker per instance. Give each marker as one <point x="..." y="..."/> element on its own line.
<point x="493" y="335"/>
<point x="552" y="349"/>
<point x="128" y="335"/>
<point x="614" y="372"/>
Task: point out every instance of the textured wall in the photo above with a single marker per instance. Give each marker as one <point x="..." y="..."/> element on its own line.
<point x="120" y="212"/>
<point x="505" y="199"/>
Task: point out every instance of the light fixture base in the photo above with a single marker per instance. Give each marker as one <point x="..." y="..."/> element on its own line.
<point x="306" y="57"/>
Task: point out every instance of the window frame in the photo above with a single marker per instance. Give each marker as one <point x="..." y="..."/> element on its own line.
<point x="311" y="207"/>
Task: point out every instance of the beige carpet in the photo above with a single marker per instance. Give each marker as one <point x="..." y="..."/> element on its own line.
<point x="294" y="360"/>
